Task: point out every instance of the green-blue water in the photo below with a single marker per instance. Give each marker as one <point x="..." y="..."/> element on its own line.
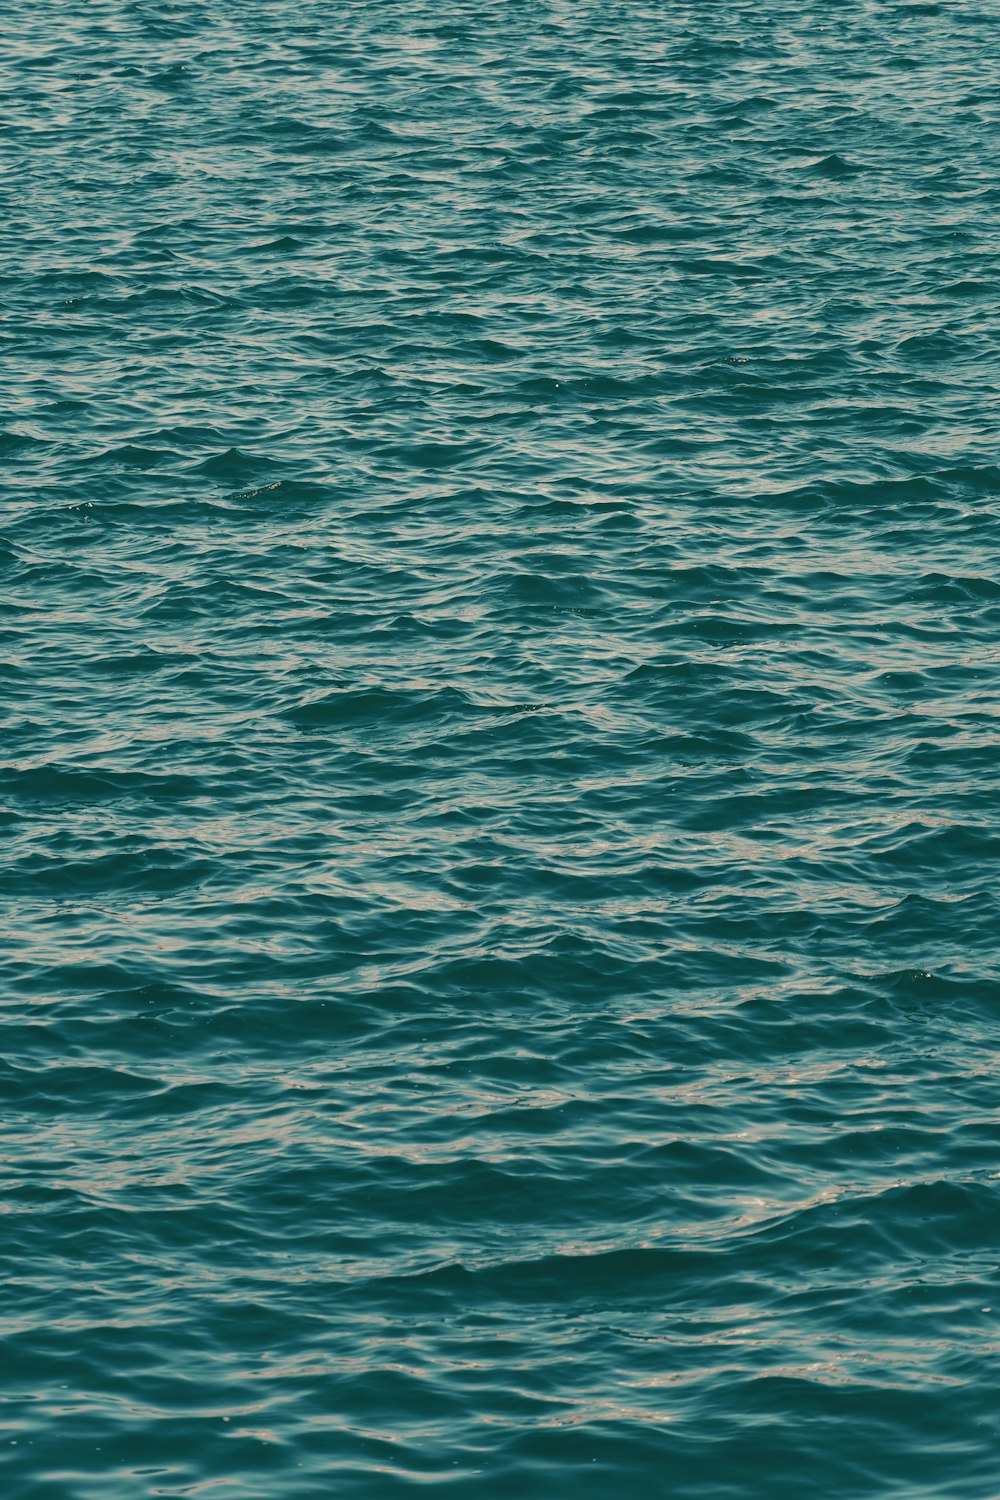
<point x="500" y="626"/>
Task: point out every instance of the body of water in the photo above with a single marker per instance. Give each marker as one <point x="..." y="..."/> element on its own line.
<point x="500" y="629"/>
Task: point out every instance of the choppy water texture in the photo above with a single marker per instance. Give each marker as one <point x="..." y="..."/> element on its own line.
<point x="500" y="626"/>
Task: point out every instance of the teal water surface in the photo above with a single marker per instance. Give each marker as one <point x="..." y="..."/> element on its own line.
<point x="500" y="631"/>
